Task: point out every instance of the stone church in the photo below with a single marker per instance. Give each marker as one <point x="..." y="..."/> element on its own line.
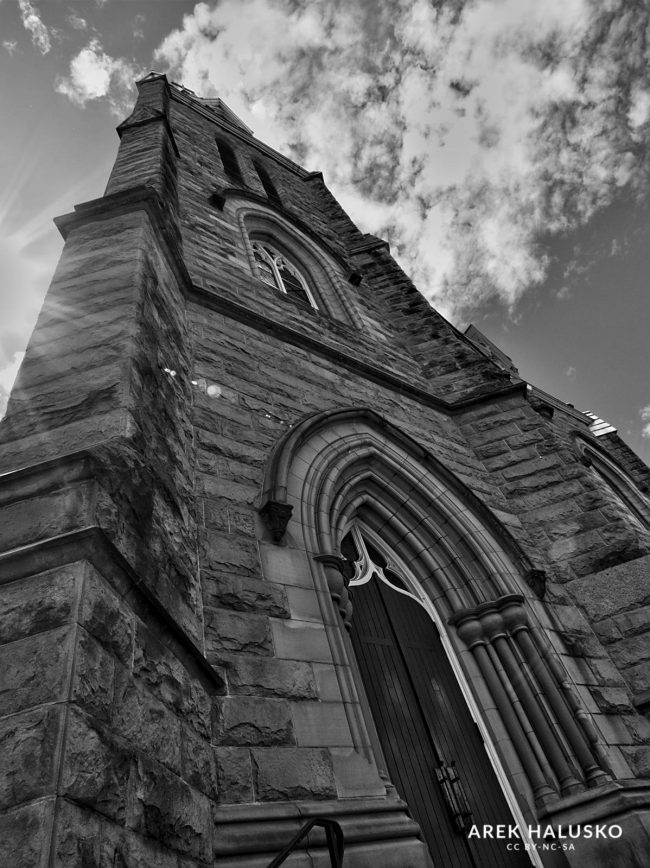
<point x="281" y="547"/>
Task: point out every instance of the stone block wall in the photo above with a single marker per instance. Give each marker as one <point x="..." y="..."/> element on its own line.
<point x="580" y="528"/>
<point x="177" y="685"/>
<point x="106" y="726"/>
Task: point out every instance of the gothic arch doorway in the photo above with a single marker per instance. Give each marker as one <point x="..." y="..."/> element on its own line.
<point x="433" y="750"/>
<point x="348" y="468"/>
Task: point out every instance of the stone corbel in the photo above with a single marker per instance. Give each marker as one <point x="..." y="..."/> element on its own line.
<point x="275" y="516"/>
<point x="536" y="581"/>
<point x="580" y="449"/>
<point x="217" y="199"/>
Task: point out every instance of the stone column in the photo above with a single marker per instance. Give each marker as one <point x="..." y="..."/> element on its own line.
<point x="502" y="627"/>
<point x="517" y="624"/>
<point x="471" y="632"/>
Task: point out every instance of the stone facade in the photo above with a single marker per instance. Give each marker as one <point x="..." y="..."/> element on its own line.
<point x="184" y="442"/>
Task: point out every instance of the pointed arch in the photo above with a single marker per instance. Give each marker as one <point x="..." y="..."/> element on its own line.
<point x="351" y="463"/>
<point x="323" y="269"/>
<point x="592" y="454"/>
<point x="350" y="466"/>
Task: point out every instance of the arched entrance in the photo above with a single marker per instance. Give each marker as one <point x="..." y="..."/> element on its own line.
<point x="350" y="468"/>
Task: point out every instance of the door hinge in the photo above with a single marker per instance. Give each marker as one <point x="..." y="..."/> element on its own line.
<point x="454" y="795"/>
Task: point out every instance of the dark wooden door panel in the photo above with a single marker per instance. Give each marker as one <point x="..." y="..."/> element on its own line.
<point x="422" y="718"/>
<point x="404" y="734"/>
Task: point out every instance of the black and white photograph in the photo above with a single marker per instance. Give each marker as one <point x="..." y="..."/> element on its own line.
<point x="324" y="434"/>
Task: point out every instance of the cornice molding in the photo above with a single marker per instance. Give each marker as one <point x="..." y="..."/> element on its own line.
<point x="369" y="243"/>
<point x="155" y="116"/>
<point x="140" y="198"/>
<point x="378" y="375"/>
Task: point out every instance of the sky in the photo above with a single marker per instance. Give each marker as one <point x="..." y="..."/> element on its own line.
<point x="500" y="146"/>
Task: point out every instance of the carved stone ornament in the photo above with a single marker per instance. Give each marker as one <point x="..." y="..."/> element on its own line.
<point x="275" y="516"/>
<point x="581" y="451"/>
<point x="338" y="572"/>
<point x="217" y="199"/>
<point x="343" y="565"/>
<point x="536" y="580"/>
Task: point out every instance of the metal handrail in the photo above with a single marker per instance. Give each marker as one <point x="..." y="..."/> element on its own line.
<point x="335" y="841"/>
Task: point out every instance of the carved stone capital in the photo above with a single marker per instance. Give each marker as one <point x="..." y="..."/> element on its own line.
<point x="469" y="629"/>
<point x="536" y="581"/>
<point x="343" y="565"/>
<point x="338" y="572"/>
<point x="491" y="620"/>
<point x="493" y="624"/>
<point x="275" y="516"/>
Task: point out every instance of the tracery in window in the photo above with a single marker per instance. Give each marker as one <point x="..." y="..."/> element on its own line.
<point x="370" y="563"/>
<point x="277" y="271"/>
<point x="315" y="277"/>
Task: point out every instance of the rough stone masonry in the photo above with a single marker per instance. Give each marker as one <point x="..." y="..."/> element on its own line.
<point x="178" y="682"/>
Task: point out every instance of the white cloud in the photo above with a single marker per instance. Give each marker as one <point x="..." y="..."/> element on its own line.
<point x="32" y="22"/>
<point x="96" y="75"/>
<point x="461" y="132"/>
<point x="639" y="111"/>
<point x="10" y="45"/>
<point x="138" y="26"/>
<point x="644" y="413"/>
<point x="77" y="22"/>
<point x="8" y="374"/>
<point x="571" y="372"/>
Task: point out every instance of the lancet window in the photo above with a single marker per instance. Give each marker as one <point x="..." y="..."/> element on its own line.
<point x="229" y="162"/>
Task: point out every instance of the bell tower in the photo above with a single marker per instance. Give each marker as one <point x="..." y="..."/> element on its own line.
<point x="279" y="543"/>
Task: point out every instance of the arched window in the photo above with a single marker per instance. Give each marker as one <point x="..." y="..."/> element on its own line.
<point x="618" y="481"/>
<point x="276" y="270"/>
<point x="292" y="259"/>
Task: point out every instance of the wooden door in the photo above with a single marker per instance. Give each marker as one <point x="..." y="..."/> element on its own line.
<point x="422" y="719"/>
